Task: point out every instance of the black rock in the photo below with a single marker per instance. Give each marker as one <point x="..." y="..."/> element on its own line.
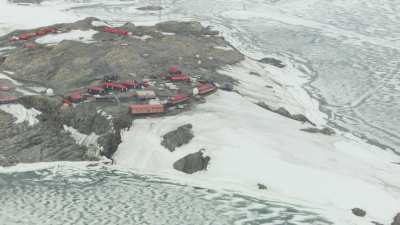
<point x="192" y="163"/>
<point x="282" y="111"/>
<point x="262" y="186"/>
<point x="359" y="212"/>
<point x="272" y="61"/>
<point x="376" y="223"/>
<point x="176" y="138"/>
<point x="325" y="130"/>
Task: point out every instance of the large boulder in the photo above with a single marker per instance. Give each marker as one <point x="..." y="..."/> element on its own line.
<point x="176" y="138"/>
<point x="192" y="163"/>
<point x="359" y="212"/>
<point x="273" y="62"/>
<point x="396" y="220"/>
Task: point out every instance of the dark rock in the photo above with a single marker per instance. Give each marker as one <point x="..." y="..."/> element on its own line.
<point x="186" y="28"/>
<point x="150" y="8"/>
<point x="272" y="61"/>
<point x="262" y="186"/>
<point x="2" y="59"/>
<point x="192" y="163"/>
<point x="359" y="212"/>
<point x="282" y="111"/>
<point x="396" y="220"/>
<point x="227" y="86"/>
<point x="325" y="130"/>
<point x="193" y="28"/>
<point x="26" y="1"/>
<point x="255" y="74"/>
<point x="376" y="223"/>
<point x="176" y="138"/>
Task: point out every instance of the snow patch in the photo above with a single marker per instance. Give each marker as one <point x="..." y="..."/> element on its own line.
<point x="74" y="35"/>
<point x="82" y="139"/>
<point x="21" y="113"/>
<point x="143" y="37"/>
<point x="5" y="77"/>
<point x="167" y="33"/>
<point x="97" y="23"/>
<point x="275" y="87"/>
<point x="225" y="48"/>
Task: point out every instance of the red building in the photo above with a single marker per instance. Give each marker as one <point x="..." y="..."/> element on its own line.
<point x="7" y="99"/>
<point x="96" y="90"/>
<point x="146" y="109"/>
<point x="116" y="31"/>
<point x="179" y="98"/>
<point x="206" y="88"/>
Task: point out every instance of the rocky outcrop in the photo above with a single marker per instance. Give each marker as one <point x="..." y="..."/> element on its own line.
<point x="38" y="143"/>
<point x="187" y="28"/>
<point x="396" y="220"/>
<point x="359" y="212"/>
<point x="73" y="65"/>
<point x="272" y="61"/>
<point x="192" y="163"/>
<point x="49" y="141"/>
<point x="176" y="138"/>
<point x="150" y="8"/>
<point x="282" y="111"/>
<point x="325" y="130"/>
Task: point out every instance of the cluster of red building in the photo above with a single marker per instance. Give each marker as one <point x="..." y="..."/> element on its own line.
<point x="29" y="35"/>
<point x="174" y="74"/>
<point x="143" y="108"/>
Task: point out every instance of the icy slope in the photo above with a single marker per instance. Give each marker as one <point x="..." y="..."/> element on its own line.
<point x="249" y="145"/>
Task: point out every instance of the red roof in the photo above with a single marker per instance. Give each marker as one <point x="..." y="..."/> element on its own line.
<point x="96" y="88"/>
<point x="7" y="99"/>
<point x="76" y="97"/>
<point x="146" y="108"/>
<point x="46" y="30"/>
<point x="180" y="77"/>
<point x="115" y="31"/>
<point x="178" y="98"/>
<point x="173" y="69"/>
<point x="115" y="85"/>
<point x="205" y="88"/>
<point x="5" y="88"/>
<point x="27" y="36"/>
<point x="29" y="46"/>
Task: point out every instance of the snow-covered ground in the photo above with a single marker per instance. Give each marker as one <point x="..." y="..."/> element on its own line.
<point x="21" y="113"/>
<point x="74" y="35"/>
<point x="249" y="145"/>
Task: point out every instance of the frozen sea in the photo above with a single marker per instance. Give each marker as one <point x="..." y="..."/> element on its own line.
<point x="101" y="195"/>
<point x="349" y="50"/>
